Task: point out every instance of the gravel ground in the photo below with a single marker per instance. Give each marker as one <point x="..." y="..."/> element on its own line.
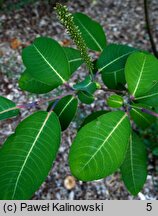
<point x="123" y="21"/>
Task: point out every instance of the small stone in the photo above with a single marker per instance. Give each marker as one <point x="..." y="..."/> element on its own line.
<point x="42" y="23"/>
<point x="10" y="97"/>
<point x="69" y="182"/>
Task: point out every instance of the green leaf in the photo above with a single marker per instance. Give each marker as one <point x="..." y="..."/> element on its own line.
<point x="155" y="151"/>
<point x="134" y="167"/>
<point x="141" y="73"/>
<point x="115" y="101"/>
<point x="150" y="98"/>
<point x="111" y="64"/>
<point x="31" y="84"/>
<point x="100" y="146"/>
<point x="74" y="58"/>
<point x="65" y="109"/>
<point x="27" y="155"/>
<point x="46" y="61"/>
<point x="85" y="97"/>
<point x="142" y="119"/>
<point x="8" y="108"/>
<point x="92" y="117"/>
<point x="86" y="85"/>
<point x="92" y="32"/>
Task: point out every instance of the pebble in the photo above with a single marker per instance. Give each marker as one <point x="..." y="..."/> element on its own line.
<point x="69" y="182"/>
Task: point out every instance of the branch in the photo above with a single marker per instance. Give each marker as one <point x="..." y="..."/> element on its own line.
<point x="147" y="20"/>
<point x="36" y="103"/>
<point x="150" y="112"/>
<point x="113" y="90"/>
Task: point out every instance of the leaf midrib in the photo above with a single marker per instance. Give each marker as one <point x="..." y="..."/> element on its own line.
<point x="141" y="115"/>
<point x="8" y="110"/>
<point x="139" y="78"/>
<point x="74" y="60"/>
<point x="26" y="159"/>
<point x="116" y="101"/>
<point x="110" y="134"/>
<point x="149" y="95"/>
<point x="146" y="96"/>
<point x="116" y="59"/>
<point x="59" y="76"/>
<point x="65" y="106"/>
<point x="98" y="45"/>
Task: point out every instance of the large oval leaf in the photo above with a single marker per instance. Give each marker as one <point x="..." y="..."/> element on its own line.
<point x="142" y="119"/>
<point x="65" y="109"/>
<point x="141" y="73"/>
<point x="46" y="61"/>
<point x="92" y="32"/>
<point x="8" y="108"/>
<point x="150" y="98"/>
<point x="134" y="167"/>
<point x="27" y="155"/>
<point x="28" y="83"/>
<point x="111" y="64"/>
<point x="100" y="146"/>
<point x="74" y="58"/>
